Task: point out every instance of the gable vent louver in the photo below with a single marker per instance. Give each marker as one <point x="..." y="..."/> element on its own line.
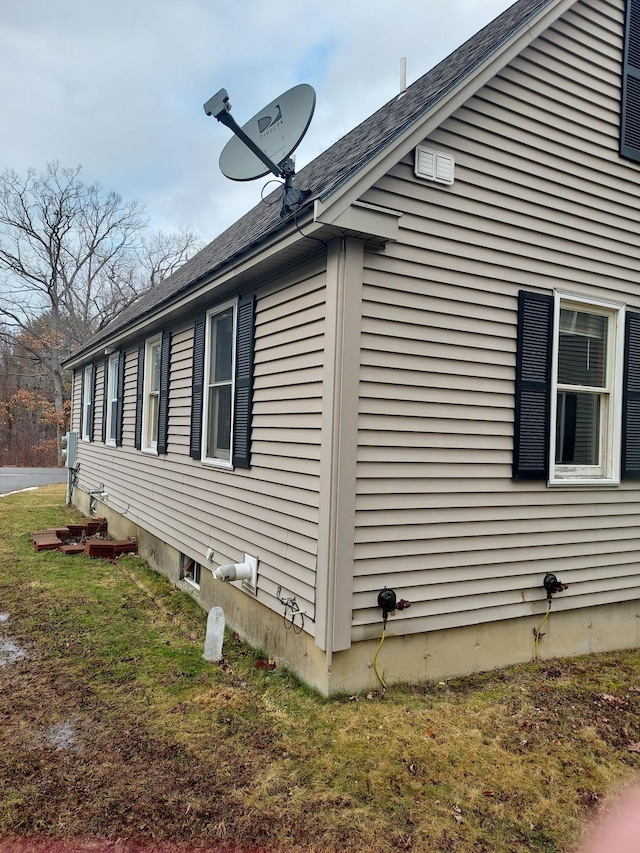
<point x="432" y="165"/>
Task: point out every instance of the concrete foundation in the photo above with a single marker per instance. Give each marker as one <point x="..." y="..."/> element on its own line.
<point x="436" y="655"/>
<point x="439" y="655"/>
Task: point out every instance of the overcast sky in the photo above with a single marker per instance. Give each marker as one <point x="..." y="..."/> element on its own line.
<point x="118" y="87"/>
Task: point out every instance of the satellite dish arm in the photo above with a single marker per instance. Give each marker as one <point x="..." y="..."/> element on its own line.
<point x="220" y="107"/>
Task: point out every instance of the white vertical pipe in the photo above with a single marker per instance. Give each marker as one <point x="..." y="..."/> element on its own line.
<point x="403" y="74"/>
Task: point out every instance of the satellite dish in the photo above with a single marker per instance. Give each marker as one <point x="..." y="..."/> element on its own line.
<point x="277" y="130"/>
<point x="265" y="143"/>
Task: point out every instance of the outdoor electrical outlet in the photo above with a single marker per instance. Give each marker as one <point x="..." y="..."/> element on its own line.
<point x="209" y="554"/>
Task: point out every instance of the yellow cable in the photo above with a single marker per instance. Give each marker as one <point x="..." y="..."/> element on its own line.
<point x="375" y="659"/>
<point x="546" y="616"/>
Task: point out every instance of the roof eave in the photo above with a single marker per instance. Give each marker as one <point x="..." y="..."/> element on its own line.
<point x="234" y="269"/>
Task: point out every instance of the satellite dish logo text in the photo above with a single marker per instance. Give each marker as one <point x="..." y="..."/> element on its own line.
<point x="267" y="124"/>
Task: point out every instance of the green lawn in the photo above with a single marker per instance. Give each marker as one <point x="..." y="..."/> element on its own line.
<point x="114" y="727"/>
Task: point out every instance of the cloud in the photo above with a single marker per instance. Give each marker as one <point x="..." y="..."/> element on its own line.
<point x="119" y="87"/>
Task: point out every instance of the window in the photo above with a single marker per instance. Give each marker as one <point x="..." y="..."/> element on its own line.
<point x="87" y="405"/>
<point x="113" y="399"/>
<point x="219" y="377"/>
<point x="112" y="389"/>
<point x="577" y="412"/>
<point x="630" y="105"/>
<point x="151" y="395"/>
<point x="222" y="388"/>
<point x="585" y="403"/>
<point x="190" y="571"/>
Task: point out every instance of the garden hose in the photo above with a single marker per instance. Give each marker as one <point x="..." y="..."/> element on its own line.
<point x="375" y="657"/>
<point x="537" y="633"/>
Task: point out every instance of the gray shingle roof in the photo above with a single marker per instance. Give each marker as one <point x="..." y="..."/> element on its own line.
<point x="335" y="166"/>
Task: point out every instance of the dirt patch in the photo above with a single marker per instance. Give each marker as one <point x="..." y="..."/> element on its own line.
<point x="129" y="782"/>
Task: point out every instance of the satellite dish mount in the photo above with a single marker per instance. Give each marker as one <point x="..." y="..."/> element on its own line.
<point x="265" y="143"/>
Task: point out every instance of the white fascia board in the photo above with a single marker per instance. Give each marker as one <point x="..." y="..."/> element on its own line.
<point x="363" y="218"/>
<point x="341" y="198"/>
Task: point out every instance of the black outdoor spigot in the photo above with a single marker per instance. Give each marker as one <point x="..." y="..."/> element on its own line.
<point x="387" y="601"/>
<point x="553" y="585"/>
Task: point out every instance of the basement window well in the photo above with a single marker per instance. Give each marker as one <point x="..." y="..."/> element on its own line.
<point x="190" y="571"/>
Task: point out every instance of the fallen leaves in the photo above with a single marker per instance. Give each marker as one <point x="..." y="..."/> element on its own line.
<point x="610" y="699"/>
<point x="589" y="798"/>
<point x="457" y="814"/>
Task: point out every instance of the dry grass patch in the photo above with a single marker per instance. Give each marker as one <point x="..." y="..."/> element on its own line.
<point x="114" y="727"/>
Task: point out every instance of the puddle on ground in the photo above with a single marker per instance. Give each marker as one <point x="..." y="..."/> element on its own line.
<point x="10" y="651"/>
<point x="63" y="736"/>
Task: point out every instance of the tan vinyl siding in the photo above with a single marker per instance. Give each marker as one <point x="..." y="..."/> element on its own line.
<point x="541" y="200"/>
<point x="180" y="391"/>
<point x="269" y="510"/>
<point x="129" y="399"/>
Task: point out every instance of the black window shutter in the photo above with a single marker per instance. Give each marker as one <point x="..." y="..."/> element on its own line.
<point x="92" y="407"/>
<point x="163" y="403"/>
<point x="631" y="400"/>
<point x="533" y="387"/>
<point x="244" y="382"/>
<point x="120" y="400"/>
<point x="630" y="105"/>
<point x="197" y="388"/>
<point x="105" y="392"/>
<point x="139" y="398"/>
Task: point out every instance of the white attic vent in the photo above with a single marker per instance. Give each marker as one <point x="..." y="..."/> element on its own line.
<point x="434" y="165"/>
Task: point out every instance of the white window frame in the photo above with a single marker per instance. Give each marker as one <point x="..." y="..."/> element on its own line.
<point x="219" y="461"/>
<point x="151" y="396"/>
<point x="195" y="569"/>
<point x="87" y="400"/>
<point x="607" y="473"/>
<point x="111" y="391"/>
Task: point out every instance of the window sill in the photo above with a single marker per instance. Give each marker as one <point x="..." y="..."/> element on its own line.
<point x="583" y="481"/>
<point x="150" y="451"/>
<point x="189" y="587"/>
<point x="218" y="463"/>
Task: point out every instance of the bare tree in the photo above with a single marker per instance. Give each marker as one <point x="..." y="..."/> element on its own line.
<point x="157" y="256"/>
<point x="72" y="256"/>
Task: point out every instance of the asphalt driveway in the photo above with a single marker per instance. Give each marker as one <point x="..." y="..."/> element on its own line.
<point x="17" y="479"/>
